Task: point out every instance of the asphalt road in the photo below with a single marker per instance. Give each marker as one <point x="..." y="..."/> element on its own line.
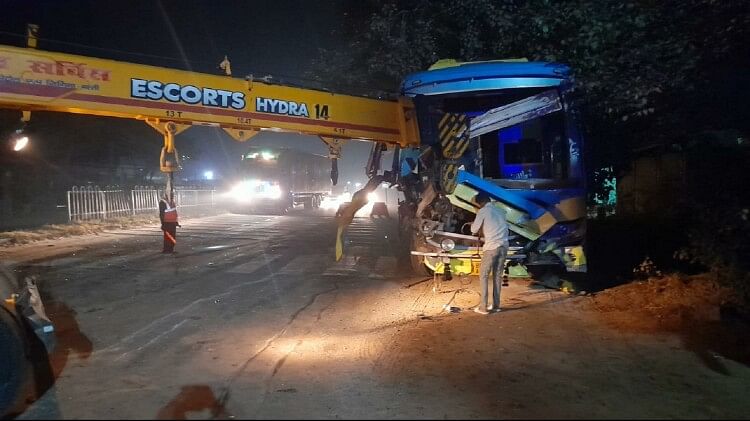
<point x="140" y="330"/>
<point x="252" y="318"/>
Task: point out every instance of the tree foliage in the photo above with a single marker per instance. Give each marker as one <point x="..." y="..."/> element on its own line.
<point x="639" y="64"/>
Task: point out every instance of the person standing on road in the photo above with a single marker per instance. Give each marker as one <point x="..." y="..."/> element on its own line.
<point x="494" y="226"/>
<point x="168" y="217"/>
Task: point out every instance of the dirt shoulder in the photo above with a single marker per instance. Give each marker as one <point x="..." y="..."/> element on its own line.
<point x="670" y="303"/>
<point x="57" y="231"/>
<point x="708" y="318"/>
<point x="618" y="354"/>
<point x="93" y="227"/>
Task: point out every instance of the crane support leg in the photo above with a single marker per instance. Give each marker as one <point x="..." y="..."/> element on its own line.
<point x="346" y="215"/>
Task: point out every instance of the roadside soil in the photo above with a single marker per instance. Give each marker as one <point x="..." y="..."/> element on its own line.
<point x="711" y="321"/>
<point x="662" y="348"/>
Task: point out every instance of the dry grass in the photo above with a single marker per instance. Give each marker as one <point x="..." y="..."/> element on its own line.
<point x="50" y="232"/>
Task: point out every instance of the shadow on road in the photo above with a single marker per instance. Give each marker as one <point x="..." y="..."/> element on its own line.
<point x="70" y="339"/>
<point x="193" y="398"/>
<point x="45" y="369"/>
<point x="726" y="338"/>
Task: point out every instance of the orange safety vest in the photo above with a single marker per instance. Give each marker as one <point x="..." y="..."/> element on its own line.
<point x="170" y="215"/>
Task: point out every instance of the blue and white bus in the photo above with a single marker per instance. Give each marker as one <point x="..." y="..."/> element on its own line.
<point x="505" y="128"/>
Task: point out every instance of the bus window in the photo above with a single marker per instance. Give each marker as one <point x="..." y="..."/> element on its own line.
<point x="532" y="149"/>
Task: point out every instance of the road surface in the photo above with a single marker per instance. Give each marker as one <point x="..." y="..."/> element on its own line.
<point x="252" y="318"/>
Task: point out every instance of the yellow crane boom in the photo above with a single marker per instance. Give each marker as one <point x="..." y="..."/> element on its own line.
<point x="32" y="79"/>
<point x="173" y="100"/>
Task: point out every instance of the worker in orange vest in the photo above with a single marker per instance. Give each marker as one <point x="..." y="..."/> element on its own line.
<point x="169" y="224"/>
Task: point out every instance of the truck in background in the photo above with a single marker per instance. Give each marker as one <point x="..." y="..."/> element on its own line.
<point x="277" y="179"/>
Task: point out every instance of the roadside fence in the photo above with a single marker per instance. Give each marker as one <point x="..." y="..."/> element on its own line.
<point x="93" y="202"/>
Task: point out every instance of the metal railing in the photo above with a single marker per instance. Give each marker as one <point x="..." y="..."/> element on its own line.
<point x="91" y="202"/>
<point x="185" y="198"/>
<point x="94" y="203"/>
<point x="145" y="199"/>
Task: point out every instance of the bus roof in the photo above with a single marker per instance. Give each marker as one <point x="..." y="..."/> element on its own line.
<point x="484" y="76"/>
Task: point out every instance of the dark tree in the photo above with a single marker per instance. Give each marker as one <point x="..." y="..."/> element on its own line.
<point x="648" y="71"/>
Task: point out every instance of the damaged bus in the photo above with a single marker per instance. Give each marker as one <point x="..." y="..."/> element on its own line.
<point x="507" y="129"/>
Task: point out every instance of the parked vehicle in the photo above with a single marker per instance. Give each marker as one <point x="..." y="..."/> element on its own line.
<point x="24" y="328"/>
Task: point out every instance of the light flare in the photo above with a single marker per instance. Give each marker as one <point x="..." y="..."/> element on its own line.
<point x="20" y="143"/>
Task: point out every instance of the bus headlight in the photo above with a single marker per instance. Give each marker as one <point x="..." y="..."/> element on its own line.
<point x="447" y="244"/>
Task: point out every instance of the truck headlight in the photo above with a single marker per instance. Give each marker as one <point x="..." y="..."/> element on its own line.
<point x="242" y="191"/>
<point x="447" y="244"/>
<point x="274" y="192"/>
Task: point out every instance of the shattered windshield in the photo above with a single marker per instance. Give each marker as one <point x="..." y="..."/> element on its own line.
<point x="516" y="134"/>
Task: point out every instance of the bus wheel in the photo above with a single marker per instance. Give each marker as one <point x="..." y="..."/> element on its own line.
<point x="419" y="267"/>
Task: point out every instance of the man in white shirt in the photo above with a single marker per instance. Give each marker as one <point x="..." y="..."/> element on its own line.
<point x="491" y="220"/>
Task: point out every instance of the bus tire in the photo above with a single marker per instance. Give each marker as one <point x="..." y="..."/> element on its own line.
<point x="418" y="266"/>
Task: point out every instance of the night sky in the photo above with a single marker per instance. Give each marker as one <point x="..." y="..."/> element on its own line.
<point x="279" y="37"/>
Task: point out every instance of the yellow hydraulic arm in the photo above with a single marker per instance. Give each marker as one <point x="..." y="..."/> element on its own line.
<point x="32" y="79"/>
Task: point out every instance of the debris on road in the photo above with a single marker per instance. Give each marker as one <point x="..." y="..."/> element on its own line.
<point x="451" y="309"/>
